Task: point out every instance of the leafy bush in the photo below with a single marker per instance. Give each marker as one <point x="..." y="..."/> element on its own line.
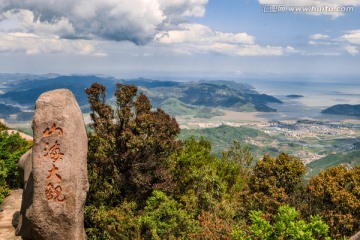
<point x="274" y="182"/>
<point x="4" y="190"/>
<point x="284" y="225"/>
<point x="12" y="147"/>
<point x="120" y="222"/>
<point x="3" y="127"/>
<point x="164" y="218"/>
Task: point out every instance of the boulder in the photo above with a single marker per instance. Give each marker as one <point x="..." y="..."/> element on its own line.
<point x="23" y="227"/>
<point x="25" y="167"/>
<point x="55" y="191"/>
<point x="355" y="237"/>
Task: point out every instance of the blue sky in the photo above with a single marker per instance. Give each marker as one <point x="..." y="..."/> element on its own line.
<point x="179" y="38"/>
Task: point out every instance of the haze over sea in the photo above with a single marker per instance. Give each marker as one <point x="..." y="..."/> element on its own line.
<point x="318" y="94"/>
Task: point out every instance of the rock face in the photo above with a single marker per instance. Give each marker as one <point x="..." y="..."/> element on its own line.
<point x="55" y="190"/>
<point x="25" y="171"/>
<point x="355" y="237"/>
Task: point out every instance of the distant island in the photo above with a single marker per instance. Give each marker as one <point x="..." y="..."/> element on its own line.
<point x="294" y="96"/>
<point x="344" y="109"/>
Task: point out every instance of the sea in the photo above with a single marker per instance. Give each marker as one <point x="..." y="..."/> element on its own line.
<point x="317" y="95"/>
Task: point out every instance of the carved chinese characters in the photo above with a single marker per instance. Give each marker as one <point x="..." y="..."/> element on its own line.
<point x="48" y="132"/>
<point x="54" y="190"/>
<point x="53" y="152"/>
<point x="57" y="186"/>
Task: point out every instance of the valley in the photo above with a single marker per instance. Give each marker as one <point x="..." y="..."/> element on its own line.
<point x="309" y="140"/>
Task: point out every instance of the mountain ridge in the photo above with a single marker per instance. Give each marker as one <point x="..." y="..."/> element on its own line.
<point x="197" y="95"/>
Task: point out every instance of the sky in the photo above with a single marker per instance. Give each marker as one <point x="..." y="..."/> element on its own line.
<point x="181" y="38"/>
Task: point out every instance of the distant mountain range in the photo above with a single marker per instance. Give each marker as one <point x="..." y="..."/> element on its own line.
<point x="344" y="109"/>
<point x="26" y="92"/>
<point x="200" y="98"/>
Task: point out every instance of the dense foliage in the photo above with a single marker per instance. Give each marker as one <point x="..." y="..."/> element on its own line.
<point x="146" y="184"/>
<point x="274" y="182"/>
<point x="12" y="147"/>
<point x="128" y="146"/>
<point x="284" y="225"/>
<point x="335" y="194"/>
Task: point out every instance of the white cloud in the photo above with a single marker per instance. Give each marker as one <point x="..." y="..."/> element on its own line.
<point x="312" y="2"/>
<point x="247" y="50"/>
<point x="197" y="33"/>
<point x="324" y="54"/>
<point x="353" y="50"/>
<point x="348" y="42"/>
<point x="352" y="37"/>
<point x="25" y="20"/>
<point x="137" y="20"/>
<point x="184" y="8"/>
<point x="43" y="26"/>
<point x="351" y="42"/>
<point x="331" y="7"/>
<point x="24" y="33"/>
<point x="318" y="43"/>
<point x="319" y="40"/>
<point x="197" y="38"/>
<point x="319" y="36"/>
<point x="31" y="44"/>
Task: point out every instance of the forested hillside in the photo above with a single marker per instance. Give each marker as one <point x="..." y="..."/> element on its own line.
<point x="147" y="184"/>
<point x="221" y="138"/>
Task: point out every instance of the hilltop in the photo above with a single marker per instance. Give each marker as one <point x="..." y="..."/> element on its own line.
<point x="344" y="109"/>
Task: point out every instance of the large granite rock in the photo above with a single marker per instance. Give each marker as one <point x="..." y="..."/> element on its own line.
<point x="55" y="189"/>
<point x="355" y="237"/>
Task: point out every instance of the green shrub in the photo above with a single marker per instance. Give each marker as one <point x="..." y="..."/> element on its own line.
<point x="120" y="222"/>
<point x="164" y="218"/>
<point x="4" y="190"/>
<point x="12" y="147"/>
<point x="284" y="225"/>
<point x="274" y="182"/>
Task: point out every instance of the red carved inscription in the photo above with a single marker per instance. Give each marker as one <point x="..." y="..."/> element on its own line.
<point x="53" y="152"/>
<point x="54" y="191"/>
<point x="53" y="130"/>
